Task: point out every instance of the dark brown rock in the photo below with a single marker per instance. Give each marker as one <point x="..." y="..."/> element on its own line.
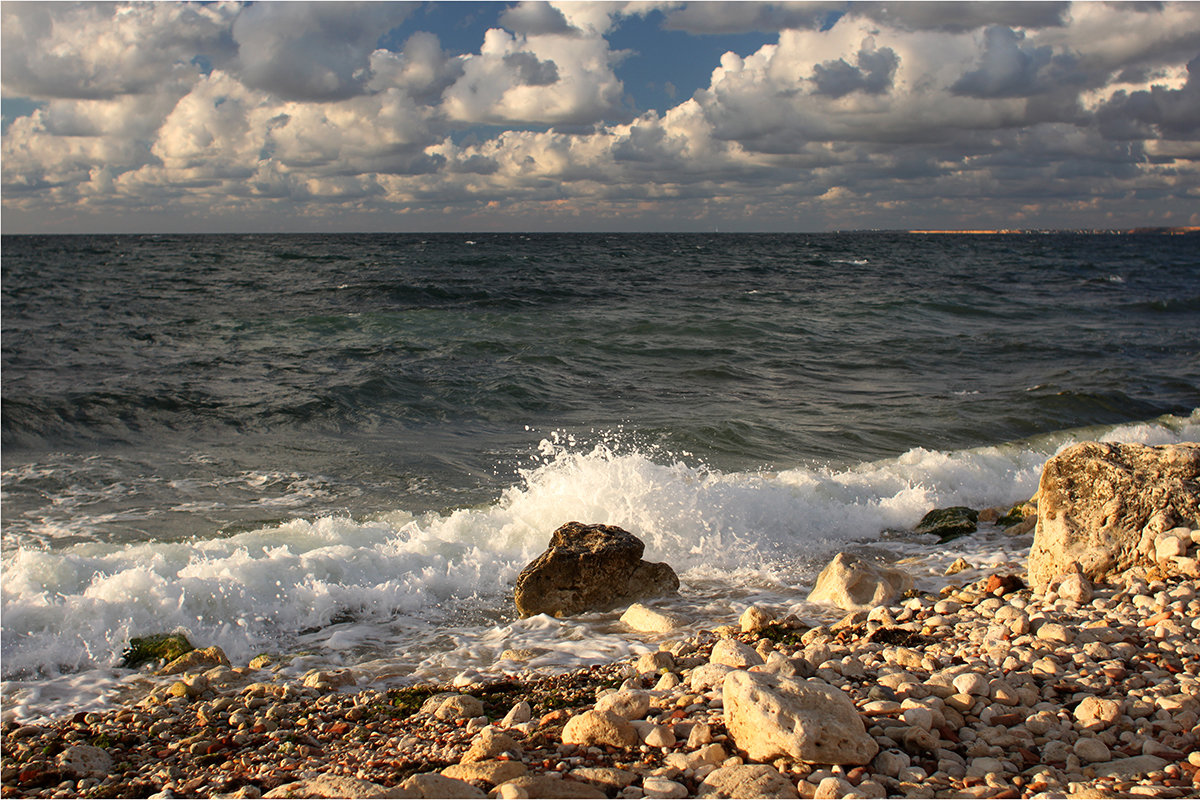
<point x="1095" y="501"/>
<point x="590" y="568"/>
<point x="1000" y="585"/>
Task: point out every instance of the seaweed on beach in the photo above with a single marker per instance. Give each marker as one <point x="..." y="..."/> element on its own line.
<point x="899" y="637"/>
<point x="782" y="634"/>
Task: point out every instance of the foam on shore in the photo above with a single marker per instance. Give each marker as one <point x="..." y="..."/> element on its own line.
<point x="432" y="592"/>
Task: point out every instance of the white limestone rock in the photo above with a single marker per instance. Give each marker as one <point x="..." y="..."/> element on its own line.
<point x="854" y="584"/>
<point x="770" y="716"/>
<point x="747" y="780"/>
<point x="648" y="620"/>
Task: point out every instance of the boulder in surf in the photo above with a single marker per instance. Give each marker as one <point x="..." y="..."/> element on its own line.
<point x="590" y="568"/>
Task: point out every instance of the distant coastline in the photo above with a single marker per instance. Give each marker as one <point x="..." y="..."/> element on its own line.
<point x="1177" y="231"/>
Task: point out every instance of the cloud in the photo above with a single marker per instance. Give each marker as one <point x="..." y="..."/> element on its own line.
<point x="1154" y="113"/>
<point x="873" y="73"/>
<point x="422" y="69"/>
<point x="872" y="114"/>
<point x="528" y="71"/>
<point x="738" y="17"/>
<point x="536" y="19"/>
<point x="963" y="17"/>
<point x="311" y="51"/>
<point x="546" y="79"/>
<point x="1006" y="69"/>
<point x="104" y="50"/>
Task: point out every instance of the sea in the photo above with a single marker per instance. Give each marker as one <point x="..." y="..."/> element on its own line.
<point x="341" y="450"/>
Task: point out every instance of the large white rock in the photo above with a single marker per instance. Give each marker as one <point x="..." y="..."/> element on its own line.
<point x="853" y="584"/>
<point x="771" y="716"/>
<point x="1096" y="500"/>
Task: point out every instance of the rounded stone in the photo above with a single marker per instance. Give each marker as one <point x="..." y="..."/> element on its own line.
<point x="663" y="787"/>
<point x="629" y="703"/>
<point x="600" y="728"/>
<point x="972" y="683"/>
<point x="1091" y="750"/>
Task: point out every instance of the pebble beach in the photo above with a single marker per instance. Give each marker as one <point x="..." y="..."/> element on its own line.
<point x="983" y="689"/>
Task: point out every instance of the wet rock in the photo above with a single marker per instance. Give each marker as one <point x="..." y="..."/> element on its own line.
<point x="196" y="659"/>
<point x="853" y="584"/>
<point x="590" y="568"/>
<point x="960" y="565"/>
<point x="754" y="619"/>
<point x="328" y="679"/>
<point x="648" y="620"/>
<point x="948" y="523"/>
<point x="771" y="716"/>
<point x="164" y="646"/>
<point x="1095" y="500"/>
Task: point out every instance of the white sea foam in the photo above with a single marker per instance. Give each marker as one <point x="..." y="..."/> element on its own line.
<point x="429" y="595"/>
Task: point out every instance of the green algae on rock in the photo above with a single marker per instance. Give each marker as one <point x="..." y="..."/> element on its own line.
<point x="949" y="523"/>
<point x="166" y="646"/>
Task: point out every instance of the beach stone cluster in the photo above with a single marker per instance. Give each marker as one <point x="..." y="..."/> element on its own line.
<point x="1003" y="687"/>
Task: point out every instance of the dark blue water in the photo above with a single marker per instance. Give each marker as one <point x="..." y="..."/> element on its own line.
<point x="351" y="445"/>
<point x="159" y="386"/>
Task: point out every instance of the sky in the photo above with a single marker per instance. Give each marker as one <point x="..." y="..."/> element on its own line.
<point x="576" y="116"/>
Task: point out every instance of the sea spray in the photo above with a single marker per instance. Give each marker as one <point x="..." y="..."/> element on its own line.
<point x="427" y="595"/>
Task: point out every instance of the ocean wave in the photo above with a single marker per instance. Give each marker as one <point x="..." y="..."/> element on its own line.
<point x="314" y="581"/>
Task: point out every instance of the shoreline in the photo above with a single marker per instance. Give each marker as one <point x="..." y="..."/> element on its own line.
<point x="967" y="693"/>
